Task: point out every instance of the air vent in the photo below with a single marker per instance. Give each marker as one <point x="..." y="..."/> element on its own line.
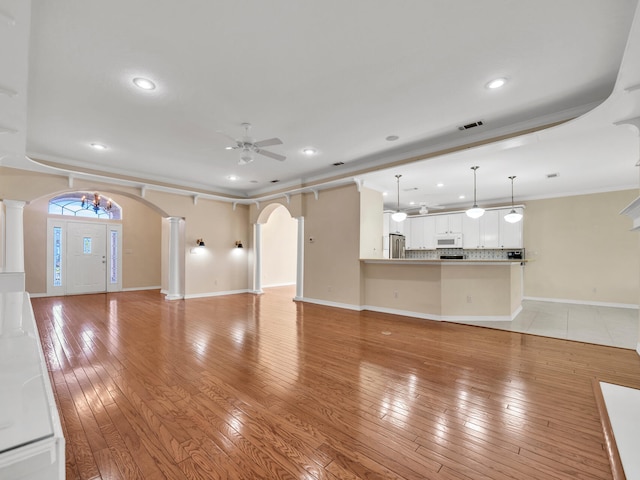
<point x="275" y="181"/>
<point x="552" y="175"/>
<point x="412" y="189"/>
<point x="471" y="125"/>
<point x="337" y="164"/>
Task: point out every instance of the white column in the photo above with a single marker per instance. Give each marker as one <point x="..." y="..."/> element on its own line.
<point x="14" y="236"/>
<point x="174" y="259"/>
<point x="257" y="277"/>
<point x="300" y="260"/>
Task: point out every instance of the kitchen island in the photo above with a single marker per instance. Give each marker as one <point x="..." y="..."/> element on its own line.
<point x="450" y="290"/>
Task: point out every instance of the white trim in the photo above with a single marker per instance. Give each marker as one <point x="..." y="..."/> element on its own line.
<point x="287" y="284"/>
<point x="404" y="313"/>
<point x="638" y="348"/>
<point x="174" y="297"/>
<point x="164" y="291"/>
<point x="215" y="294"/>
<point x="445" y="318"/>
<point x="41" y="295"/>
<point x="632" y="306"/>
<point x="327" y="303"/>
<point x="135" y="289"/>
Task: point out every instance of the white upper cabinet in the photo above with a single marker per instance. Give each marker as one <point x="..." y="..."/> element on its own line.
<point x="421" y="233"/>
<point x="449" y="223"/>
<point x="430" y="232"/>
<point x="415" y="237"/>
<point x="483" y="232"/>
<point x="511" y="233"/>
<point x="492" y="231"/>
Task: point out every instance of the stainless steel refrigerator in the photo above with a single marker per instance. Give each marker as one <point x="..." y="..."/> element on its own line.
<point x="396" y="245"/>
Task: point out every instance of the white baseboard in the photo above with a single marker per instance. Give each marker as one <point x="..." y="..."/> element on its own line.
<point x="445" y="318"/>
<point x="40" y="295"/>
<point x="136" y="289"/>
<point x="215" y="294"/>
<point x="289" y="284"/>
<point x="638" y="348"/>
<point x="584" y="302"/>
<point x="405" y="313"/>
<point x="174" y="297"/>
<point x="327" y="303"/>
<point x="164" y="291"/>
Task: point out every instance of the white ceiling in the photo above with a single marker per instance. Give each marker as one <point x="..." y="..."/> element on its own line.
<point x="338" y="76"/>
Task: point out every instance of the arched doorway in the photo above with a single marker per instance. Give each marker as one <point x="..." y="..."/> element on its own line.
<point x="279" y="249"/>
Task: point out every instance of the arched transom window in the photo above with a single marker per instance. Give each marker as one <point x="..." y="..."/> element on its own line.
<point x="85" y="204"/>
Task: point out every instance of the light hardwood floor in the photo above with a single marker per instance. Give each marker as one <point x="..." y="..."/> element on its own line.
<point x="248" y="386"/>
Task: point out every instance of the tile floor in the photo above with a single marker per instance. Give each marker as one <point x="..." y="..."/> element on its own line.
<point x="617" y="327"/>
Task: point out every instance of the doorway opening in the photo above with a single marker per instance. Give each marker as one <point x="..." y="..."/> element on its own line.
<point x="83" y="257"/>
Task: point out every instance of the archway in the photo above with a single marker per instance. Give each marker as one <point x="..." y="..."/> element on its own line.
<point x="134" y="252"/>
<point x="279" y="249"/>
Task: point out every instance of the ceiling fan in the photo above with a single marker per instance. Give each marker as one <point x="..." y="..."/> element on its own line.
<point x="425" y="207"/>
<point x="249" y="147"/>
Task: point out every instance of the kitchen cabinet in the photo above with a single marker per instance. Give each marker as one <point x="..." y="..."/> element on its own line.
<point x="421" y="233"/>
<point x="448" y="223"/>
<point x="511" y="233"/>
<point x="415" y="233"/>
<point x="483" y="232"/>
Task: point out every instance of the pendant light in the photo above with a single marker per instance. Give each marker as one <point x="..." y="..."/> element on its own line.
<point x="475" y="211"/>
<point x="398" y="216"/>
<point x="512" y="216"/>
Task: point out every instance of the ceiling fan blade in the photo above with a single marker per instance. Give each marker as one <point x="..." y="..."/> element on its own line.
<point x="268" y="143"/>
<point x="220" y="132"/>
<point x="275" y="156"/>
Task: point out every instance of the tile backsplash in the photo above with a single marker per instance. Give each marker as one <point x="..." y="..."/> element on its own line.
<point x="470" y="254"/>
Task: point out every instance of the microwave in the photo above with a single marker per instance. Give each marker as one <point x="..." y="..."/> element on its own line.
<point x="449" y="240"/>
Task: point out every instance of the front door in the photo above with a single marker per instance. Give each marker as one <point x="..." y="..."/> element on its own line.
<point x="86" y="258"/>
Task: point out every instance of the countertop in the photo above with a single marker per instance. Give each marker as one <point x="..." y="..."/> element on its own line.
<point x="421" y="261"/>
<point x="25" y="415"/>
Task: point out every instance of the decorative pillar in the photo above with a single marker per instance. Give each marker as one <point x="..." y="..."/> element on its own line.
<point x="257" y="278"/>
<point x="300" y="260"/>
<point x="174" y="259"/>
<point x="14" y="236"/>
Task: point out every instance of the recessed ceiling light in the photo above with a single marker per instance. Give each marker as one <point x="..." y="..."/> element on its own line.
<point x="497" y="83"/>
<point x="309" y="151"/>
<point x="461" y="197"/>
<point x="144" y="83"/>
<point x="99" y="146"/>
<point x="384" y="194"/>
<point x="232" y="178"/>
<point x="228" y="148"/>
<point x="440" y="184"/>
<point x="412" y="203"/>
<point x="392" y="138"/>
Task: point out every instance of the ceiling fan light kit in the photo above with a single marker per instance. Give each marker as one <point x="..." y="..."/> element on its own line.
<point x="475" y="211"/>
<point x="249" y="147"/>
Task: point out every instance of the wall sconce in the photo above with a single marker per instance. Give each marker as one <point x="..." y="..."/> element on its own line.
<point x="239" y="244"/>
<point x="200" y="242"/>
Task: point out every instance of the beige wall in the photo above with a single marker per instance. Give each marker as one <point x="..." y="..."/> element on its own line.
<point x="331" y="263"/>
<point x="279" y="249"/>
<point x="221" y="269"/>
<point x="371" y="216"/>
<point x="140" y="250"/>
<point x="408" y="288"/>
<point x="581" y="249"/>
